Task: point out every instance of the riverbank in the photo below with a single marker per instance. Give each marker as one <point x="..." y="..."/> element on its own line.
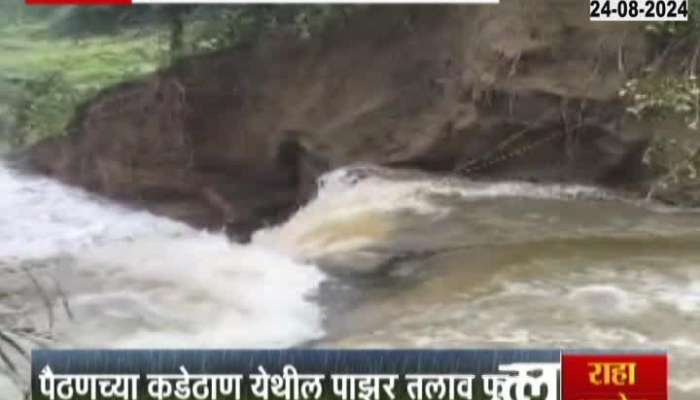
<point x="237" y="139"/>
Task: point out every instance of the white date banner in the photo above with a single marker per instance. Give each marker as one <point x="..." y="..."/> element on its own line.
<point x="639" y="10"/>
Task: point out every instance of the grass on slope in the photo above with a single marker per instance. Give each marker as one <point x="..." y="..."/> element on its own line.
<point x="43" y="78"/>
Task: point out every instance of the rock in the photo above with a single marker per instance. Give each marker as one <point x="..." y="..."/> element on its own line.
<point x="238" y="138"/>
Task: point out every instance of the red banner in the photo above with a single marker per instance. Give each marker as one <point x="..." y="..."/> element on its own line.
<point x="614" y="377"/>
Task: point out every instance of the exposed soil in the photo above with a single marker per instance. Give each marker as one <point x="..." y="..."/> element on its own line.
<point x="526" y="90"/>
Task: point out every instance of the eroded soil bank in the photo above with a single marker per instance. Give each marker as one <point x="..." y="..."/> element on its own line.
<point x="523" y="90"/>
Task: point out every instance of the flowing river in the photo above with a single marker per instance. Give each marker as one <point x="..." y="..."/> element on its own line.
<point x="379" y="259"/>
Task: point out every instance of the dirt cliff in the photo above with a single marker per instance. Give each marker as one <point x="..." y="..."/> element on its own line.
<point x="525" y="89"/>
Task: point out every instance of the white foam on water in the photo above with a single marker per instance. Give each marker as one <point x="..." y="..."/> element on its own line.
<point x="347" y="213"/>
<point x="575" y="305"/>
<point x="689" y="386"/>
<point x="142" y="281"/>
<point x="601" y="299"/>
<point x="612" y="305"/>
<point x="223" y="294"/>
<point x="40" y="217"/>
<point x="686" y="301"/>
<point x="137" y="280"/>
<point x="8" y="389"/>
<point x="358" y="205"/>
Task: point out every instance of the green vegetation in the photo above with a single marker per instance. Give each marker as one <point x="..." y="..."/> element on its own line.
<point x="669" y="90"/>
<point x="53" y="59"/>
<point x="663" y="96"/>
<point x="44" y="75"/>
<point x="47" y="78"/>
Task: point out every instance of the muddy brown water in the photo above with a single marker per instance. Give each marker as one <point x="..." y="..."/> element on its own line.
<point x="378" y="259"/>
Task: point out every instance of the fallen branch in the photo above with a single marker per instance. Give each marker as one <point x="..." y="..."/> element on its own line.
<point x="64" y="298"/>
<point x="44" y="296"/>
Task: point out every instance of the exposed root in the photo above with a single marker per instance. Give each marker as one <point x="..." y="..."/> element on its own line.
<point x="621" y="56"/>
<point x="493" y="157"/>
<point x="692" y="69"/>
<point x="661" y="58"/>
<point x="514" y="65"/>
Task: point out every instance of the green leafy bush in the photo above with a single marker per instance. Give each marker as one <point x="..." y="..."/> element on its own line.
<point x="670" y="93"/>
<point x="43" y="109"/>
<point x="670" y="89"/>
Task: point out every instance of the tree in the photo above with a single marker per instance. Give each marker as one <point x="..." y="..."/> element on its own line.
<point x="175" y="19"/>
